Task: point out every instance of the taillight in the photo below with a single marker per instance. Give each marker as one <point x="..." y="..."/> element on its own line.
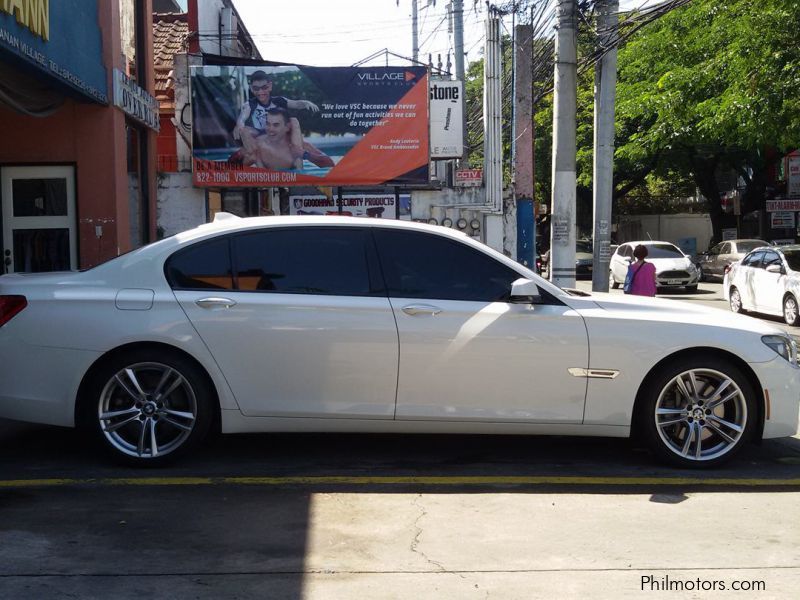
<point x="10" y="306"/>
<point x="727" y="269"/>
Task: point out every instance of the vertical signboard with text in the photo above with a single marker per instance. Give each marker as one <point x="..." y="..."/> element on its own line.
<point x="447" y="119"/>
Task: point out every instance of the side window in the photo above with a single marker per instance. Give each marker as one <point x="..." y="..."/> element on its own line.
<point x="726" y="248"/>
<point x="772" y="258"/>
<point x="716" y="249"/>
<point x="304" y="260"/>
<point x="201" y="266"/>
<point x="626" y="251"/>
<point x="753" y="259"/>
<point x="425" y="265"/>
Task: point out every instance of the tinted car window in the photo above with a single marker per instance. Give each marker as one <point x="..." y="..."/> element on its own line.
<point x="423" y="265"/>
<point x="725" y="248"/>
<point x="663" y="251"/>
<point x="753" y="259"/>
<point x="308" y="260"/>
<point x="625" y="251"/>
<point x="793" y="259"/>
<point x="583" y="246"/>
<point x="201" y="266"/>
<point x="771" y="258"/>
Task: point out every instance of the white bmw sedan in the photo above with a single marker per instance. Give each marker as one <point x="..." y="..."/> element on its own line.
<point x="767" y="281"/>
<point x="365" y="325"/>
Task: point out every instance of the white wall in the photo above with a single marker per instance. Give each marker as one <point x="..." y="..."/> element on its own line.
<point x="180" y="206"/>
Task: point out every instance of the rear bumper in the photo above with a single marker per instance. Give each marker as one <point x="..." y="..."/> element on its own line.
<point x="781" y="382"/>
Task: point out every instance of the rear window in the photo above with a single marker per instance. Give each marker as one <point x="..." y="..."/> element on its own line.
<point x="749" y="246"/>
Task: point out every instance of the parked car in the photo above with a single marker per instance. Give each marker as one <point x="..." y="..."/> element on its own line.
<point x="371" y="325"/>
<point x="712" y="264"/>
<point x="584" y="259"/>
<point x="673" y="267"/>
<point x="767" y="281"/>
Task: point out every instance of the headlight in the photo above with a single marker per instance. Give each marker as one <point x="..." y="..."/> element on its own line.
<point x="783" y="345"/>
<point x="692" y="268"/>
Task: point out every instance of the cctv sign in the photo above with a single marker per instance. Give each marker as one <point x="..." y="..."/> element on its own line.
<point x="447" y="119"/>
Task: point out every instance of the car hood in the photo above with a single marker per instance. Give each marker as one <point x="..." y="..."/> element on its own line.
<point x="669" y="264"/>
<point x="662" y="309"/>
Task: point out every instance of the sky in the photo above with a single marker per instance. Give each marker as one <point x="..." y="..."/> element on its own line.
<point x="343" y="32"/>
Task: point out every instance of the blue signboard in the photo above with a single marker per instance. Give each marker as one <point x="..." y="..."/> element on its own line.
<point x="60" y="38"/>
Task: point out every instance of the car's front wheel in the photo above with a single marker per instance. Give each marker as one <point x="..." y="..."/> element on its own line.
<point x="735" y="299"/>
<point x="147" y="407"/>
<point x="697" y="412"/>
<point x="790" y="310"/>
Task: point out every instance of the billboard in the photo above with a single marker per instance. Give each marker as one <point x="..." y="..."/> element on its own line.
<point x="257" y="126"/>
<point x="354" y="205"/>
<point x="447" y="119"/>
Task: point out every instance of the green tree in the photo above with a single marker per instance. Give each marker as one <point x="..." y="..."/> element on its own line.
<point x="713" y="86"/>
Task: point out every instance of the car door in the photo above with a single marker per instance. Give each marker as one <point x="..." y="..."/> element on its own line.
<point x="620" y="261"/>
<point x="297" y="319"/>
<point x="769" y="285"/>
<point x="466" y="353"/>
<point x="745" y="278"/>
<point x="709" y="261"/>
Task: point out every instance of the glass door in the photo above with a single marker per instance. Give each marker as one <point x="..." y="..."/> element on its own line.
<point x="39" y="224"/>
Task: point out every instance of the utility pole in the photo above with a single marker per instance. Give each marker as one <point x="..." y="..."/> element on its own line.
<point x="523" y="142"/>
<point x="605" y="83"/>
<point x="414" y="32"/>
<point x="562" y="229"/>
<point x="492" y="117"/>
<point x="458" y="46"/>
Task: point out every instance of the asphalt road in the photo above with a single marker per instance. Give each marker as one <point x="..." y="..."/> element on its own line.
<point x="395" y="516"/>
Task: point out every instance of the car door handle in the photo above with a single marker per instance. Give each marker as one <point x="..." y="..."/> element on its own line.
<point x="421" y="309"/>
<point x="215" y="303"/>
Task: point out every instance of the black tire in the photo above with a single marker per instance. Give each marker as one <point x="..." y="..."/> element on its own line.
<point x="147" y="407"/>
<point x="791" y="313"/>
<point x="735" y="300"/>
<point x="671" y="418"/>
<point x="691" y="289"/>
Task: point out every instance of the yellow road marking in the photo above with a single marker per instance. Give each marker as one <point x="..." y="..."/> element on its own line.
<point x="409" y="480"/>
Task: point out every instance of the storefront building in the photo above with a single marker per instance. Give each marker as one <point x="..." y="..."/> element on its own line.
<point x="79" y="125"/>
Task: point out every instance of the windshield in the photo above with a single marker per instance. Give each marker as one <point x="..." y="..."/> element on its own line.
<point x="793" y="259"/>
<point x="663" y="251"/>
<point x="583" y="246"/>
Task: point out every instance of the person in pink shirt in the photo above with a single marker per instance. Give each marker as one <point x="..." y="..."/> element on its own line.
<point x="642" y="273"/>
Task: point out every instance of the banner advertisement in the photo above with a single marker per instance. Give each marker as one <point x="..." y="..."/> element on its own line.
<point x="353" y="205"/>
<point x="290" y="125"/>
<point x="447" y="119"/>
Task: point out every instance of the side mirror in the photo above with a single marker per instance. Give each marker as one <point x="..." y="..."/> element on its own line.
<point x="524" y="291"/>
<point x="775" y="269"/>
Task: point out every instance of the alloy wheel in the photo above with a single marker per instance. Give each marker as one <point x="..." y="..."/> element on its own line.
<point x="701" y="414"/>
<point x="735" y="300"/>
<point x="790" y="310"/>
<point x="147" y="410"/>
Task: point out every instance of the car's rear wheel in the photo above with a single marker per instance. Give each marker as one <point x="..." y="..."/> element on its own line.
<point x="790" y="310"/>
<point x="735" y="299"/>
<point x="697" y="413"/>
<point x="148" y="407"/>
<point x="612" y="282"/>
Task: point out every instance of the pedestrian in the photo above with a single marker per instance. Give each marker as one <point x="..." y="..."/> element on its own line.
<point x="641" y="277"/>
